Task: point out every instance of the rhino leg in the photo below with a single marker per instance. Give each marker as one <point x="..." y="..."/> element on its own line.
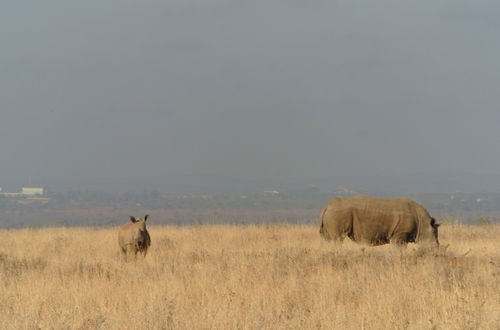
<point x="124" y="252"/>
<point x="334" y="235"/>
<point x="338" y="225"/>
<point x="130" y="252"/>
<point x="143" y="250"/>
<point x="338" y="237"/>
<point x="400" y="239"/>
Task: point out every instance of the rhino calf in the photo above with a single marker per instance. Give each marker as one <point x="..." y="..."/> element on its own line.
<point x="378" y="221"/>
<point x="134" y="238"/>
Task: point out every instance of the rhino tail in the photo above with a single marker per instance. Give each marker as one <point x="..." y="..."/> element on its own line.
<point x="321" y="219"/>
<point x="323" y="213"/>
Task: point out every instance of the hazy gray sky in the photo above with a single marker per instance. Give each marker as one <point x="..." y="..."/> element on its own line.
<point x="162" y="90"/>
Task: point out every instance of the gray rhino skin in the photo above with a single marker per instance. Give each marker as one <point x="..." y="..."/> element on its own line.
<point x="377" y="221"/>
<point x="134" y="238"/>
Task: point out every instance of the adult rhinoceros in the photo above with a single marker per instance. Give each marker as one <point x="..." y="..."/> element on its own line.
<point x="134" y="238"/>
<point x="377" y="221"/>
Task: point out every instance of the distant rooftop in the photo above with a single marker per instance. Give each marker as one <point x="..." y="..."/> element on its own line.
<point x="25" y="191"/>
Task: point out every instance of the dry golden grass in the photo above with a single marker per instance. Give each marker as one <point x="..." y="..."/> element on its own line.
<point x="249" y="277"/>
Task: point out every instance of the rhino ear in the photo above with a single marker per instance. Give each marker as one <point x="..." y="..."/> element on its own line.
<point x="133" y="219"/>
<point x="146" y="217"/>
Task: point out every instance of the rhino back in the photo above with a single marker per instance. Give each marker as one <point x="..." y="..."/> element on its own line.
<point x="382" y="205"/>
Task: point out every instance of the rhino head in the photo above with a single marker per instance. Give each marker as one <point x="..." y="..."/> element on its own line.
<point x="142" y="239"/>
<point x="138" y="221"/>
<point x="428" y="232"/>
<point x="434" y="230"/>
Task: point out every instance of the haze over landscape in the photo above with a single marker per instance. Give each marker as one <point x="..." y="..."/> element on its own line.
<point x="237" y="95"/>
<point x="244" y="132"/>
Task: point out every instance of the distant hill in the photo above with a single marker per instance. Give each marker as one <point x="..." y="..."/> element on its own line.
<point x="412" y="183"/>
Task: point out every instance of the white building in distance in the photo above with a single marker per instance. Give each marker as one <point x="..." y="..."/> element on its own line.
<point x="25" y="191"/>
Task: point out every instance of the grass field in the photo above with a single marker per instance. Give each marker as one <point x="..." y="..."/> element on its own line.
<point x="247" y="277"/>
